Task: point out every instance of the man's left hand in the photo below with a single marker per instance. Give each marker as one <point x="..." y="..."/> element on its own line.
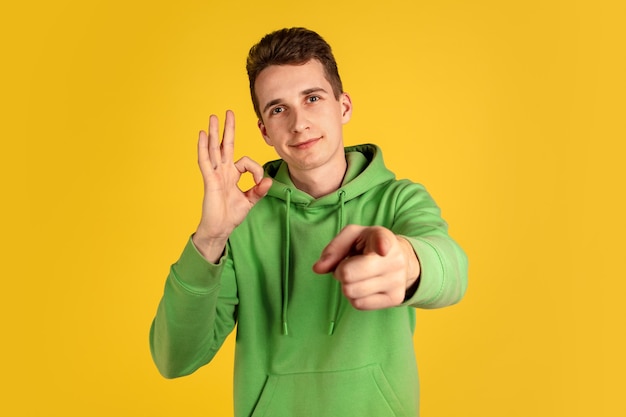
<point x="374" y="266"/>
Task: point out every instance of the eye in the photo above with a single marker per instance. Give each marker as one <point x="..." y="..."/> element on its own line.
<point x="277" y="110"/>
<point x="313" y="99"/>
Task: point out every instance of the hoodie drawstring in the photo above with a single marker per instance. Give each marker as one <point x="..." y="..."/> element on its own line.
<point x="285" y="328"/>
<point x="335" y="298"/>
<point x="336" y="292"/>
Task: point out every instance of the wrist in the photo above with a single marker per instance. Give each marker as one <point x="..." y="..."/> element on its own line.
<point x="413" y="268"/>
<point x="210" y="248"/>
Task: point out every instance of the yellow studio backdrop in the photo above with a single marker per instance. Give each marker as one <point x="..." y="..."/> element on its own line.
<point x="511" y="113"/>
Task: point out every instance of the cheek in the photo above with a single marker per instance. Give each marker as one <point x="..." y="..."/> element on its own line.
<point x="334" y="122"/>
<point x="267" y="140"/>
<point x="272" y="134"/>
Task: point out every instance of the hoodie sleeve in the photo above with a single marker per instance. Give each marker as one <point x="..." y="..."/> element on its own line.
<point x="443" y="278"/>
<point x="195" y="315"/>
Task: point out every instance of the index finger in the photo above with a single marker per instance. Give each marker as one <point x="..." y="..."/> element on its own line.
<point x="342" y="245"/>
<point x="245" y="164"/>
<point x="353" y="240"/>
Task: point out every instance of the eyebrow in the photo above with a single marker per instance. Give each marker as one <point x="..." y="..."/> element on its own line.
<point x="302" y="93"/>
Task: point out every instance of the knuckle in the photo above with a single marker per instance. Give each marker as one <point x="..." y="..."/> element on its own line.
<point x="349" y="291"/>
<point x="397" y="297"/>
<point x="343" y="273"/>
<point x="359" y="303"/>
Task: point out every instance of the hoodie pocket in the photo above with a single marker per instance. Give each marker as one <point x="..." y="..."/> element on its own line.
<point x="362" y="392"/>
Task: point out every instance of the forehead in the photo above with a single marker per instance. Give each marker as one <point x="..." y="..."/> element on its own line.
<point x="282" y="81"/>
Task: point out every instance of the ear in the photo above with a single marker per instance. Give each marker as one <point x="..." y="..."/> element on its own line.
<point x="263" y="131"/>
<point x="346" y="107"/>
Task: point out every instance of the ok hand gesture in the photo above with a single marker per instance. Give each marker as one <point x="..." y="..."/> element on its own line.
<point x="224" y="206"/>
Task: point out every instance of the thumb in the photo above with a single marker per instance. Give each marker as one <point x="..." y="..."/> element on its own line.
<point x="259" y="191"/>
<point x="376" y="240"/>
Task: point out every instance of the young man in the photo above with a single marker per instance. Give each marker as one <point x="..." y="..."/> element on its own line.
<point x="319" y="264"/>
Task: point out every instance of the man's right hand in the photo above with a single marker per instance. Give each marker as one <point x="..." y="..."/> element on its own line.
<point x="224" y="206"/>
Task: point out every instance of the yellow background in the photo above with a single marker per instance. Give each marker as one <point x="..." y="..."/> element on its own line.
<point x="511" y="113"/>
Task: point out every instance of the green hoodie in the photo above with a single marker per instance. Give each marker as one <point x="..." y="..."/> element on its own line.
<point x="301" y="348"/>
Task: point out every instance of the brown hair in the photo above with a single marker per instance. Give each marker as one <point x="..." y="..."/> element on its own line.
<point x="291" y="46"/>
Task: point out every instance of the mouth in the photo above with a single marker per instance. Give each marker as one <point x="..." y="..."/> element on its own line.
<point x="306" y="144"/>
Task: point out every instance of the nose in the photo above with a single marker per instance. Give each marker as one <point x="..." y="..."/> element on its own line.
<point x="299" y="120"/>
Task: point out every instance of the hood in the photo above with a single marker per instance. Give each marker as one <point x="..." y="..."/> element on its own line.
<point x="366" y="169"/>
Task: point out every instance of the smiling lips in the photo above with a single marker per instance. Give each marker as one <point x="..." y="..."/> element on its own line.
<point x="306" y="144"/>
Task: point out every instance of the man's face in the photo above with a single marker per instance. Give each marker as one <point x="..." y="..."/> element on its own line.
<point x="301" y="118"/>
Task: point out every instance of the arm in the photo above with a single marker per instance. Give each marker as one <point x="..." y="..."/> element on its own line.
<point x="444" y="265"/>
<point x="414" y="262"/>
<point x="198" y="307"/>
<point x="195" y="315"/>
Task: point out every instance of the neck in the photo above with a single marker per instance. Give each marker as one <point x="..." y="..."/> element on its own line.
<point x="320" y="181"/>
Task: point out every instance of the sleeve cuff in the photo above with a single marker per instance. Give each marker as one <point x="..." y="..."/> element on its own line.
<point x="431" y="274"/>
<point x="195" y="273"/>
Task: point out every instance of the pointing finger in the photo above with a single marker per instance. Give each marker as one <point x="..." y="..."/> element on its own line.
<point x="344" y="244"/>
<point x="354" y="240"/>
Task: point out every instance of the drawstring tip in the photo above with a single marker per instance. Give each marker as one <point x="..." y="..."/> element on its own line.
<point x="331" y="328"/>
<point x="285" y="330"/>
